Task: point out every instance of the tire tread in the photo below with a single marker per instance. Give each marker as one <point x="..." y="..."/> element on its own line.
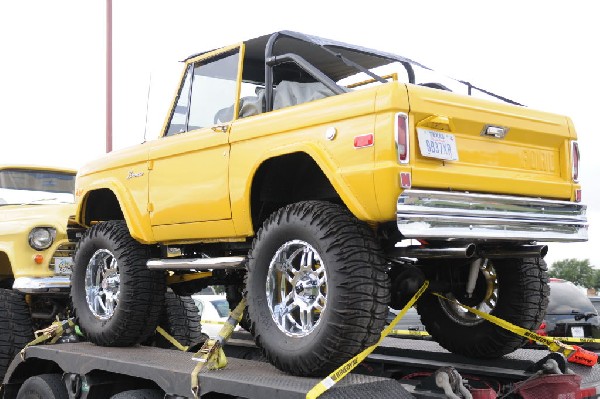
<point x="523" y="302"/>
<point x="363" y="294"/>
<point x="141" y="298"/>
<point x="16" y="328"/>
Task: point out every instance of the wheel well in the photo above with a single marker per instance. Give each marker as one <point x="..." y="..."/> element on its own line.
<point x="106" y="382"/>
<point x="102" y="205"/>
<point x="285" y="180"/>
<point x="5" y="267"/>
<point x="26" y="369"/>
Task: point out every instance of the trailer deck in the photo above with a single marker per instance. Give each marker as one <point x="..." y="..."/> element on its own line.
<point x="387" y="373"/>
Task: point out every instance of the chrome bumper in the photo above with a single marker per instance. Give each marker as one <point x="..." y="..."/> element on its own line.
<point x="37" y="285"/>
<point x="451" y="215"/>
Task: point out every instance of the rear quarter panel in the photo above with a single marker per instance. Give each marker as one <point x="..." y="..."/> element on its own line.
<point x="302" y="128"/>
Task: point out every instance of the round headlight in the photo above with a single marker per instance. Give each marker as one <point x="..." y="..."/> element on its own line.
<point x="41" y="237"/>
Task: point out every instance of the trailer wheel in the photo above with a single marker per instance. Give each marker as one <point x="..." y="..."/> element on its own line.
<point x="515" y="290"/>
<point x="117" y="300"/>
<point x="16" y="329"/>
<point x="181" y="319"/>
<point x="317" y="288"/>
<point x="139" y="394"/>
<point x="43" y="386"/>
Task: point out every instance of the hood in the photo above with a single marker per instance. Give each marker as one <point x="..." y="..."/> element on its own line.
<point x="15" y="218"/>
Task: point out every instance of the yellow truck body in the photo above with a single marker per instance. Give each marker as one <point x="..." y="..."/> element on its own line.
<point x="197" y="186"/>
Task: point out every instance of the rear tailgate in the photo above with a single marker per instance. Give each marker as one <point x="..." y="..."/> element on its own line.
<point x="531" y="159"/>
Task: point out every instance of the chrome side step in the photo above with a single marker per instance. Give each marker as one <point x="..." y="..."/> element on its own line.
<point x="230" y="262"/>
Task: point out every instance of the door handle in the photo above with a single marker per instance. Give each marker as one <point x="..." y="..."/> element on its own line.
<point x="220" y="128"/>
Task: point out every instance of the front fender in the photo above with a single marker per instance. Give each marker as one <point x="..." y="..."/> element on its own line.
<point x="135" y="211"/>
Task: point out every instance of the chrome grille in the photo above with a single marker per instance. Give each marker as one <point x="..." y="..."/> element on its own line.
<point x="64" y="250"/>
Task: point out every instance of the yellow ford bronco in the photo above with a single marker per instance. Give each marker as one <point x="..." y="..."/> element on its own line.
<point x="36" y="255"/>
<point x="326" y="181"/>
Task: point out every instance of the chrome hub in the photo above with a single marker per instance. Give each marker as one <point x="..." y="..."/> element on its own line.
<point x="307" y="288"/>
<point x="102" y="284"/>
<point x="296" y="288"/>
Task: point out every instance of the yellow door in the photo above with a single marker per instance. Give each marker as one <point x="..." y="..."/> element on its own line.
<point x="189" y="164"/>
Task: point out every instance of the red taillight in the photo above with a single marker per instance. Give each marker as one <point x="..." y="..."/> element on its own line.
<point x="402" y="137"/>
<point x="587" y="393"/>
<point x="575" y="159"/>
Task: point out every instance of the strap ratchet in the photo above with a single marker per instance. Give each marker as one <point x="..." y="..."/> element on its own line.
<point x="211" y="354"/>
<point x="53" y="333"/>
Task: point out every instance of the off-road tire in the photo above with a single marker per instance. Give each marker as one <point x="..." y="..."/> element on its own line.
<point x="16" y="329"/>
<point x="140" y="394"/>
<point x="357" y="288"/>
<point x="43" y="386"/>
<point x="522" y="300"/>
<point x="181" y="319"/>
<point x="141" y="295"/>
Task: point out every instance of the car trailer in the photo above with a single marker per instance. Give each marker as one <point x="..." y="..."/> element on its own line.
<point x="398" y="368"/>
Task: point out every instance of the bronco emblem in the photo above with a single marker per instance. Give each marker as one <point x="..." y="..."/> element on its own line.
<point x="132" y="174"/>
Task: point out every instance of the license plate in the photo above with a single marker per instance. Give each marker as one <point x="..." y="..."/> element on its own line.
<point x="577" y="332"/>
<point x="63" y="265"/>
<point x="436" y="144"/>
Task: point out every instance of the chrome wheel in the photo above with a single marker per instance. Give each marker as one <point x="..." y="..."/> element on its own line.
<point x="296" y="288"/>
<point x="487" y="304"/>
<point x="102" y="284"/>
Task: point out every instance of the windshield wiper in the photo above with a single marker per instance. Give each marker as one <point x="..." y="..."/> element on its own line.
<point x="581" y="315"/>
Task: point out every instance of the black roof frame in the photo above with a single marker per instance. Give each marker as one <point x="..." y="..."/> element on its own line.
<point x="369" y="58"/>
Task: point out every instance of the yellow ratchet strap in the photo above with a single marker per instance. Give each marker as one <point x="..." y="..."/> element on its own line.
<point x="53" y="333"/>
<point x="211" y="354"/>
<point x="172" y="340"/>
<point x="416" y="333"/>
<point x="573" y="353"/>
<point x="347" y="367"/>
<point x="579" y="340"/>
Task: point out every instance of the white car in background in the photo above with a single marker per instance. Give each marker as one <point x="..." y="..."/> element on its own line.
<point x="214" y="310"/>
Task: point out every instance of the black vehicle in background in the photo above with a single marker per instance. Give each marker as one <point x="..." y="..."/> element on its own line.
<point x="570" y="314"/>
<point x="596" y="302"/>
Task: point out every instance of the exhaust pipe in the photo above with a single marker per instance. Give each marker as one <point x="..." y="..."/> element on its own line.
<point x="471" y="250"/>
<point x="416" y="251"/>
<point x="522" y="251"/>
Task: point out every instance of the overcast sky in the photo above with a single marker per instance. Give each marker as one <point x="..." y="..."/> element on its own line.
<point x="52" y="93"/>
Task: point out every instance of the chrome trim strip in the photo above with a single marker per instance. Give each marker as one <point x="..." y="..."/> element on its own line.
<point x="196" y="264"/>
<point x="33" y="285"/>
<point x="446" y="215"/>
